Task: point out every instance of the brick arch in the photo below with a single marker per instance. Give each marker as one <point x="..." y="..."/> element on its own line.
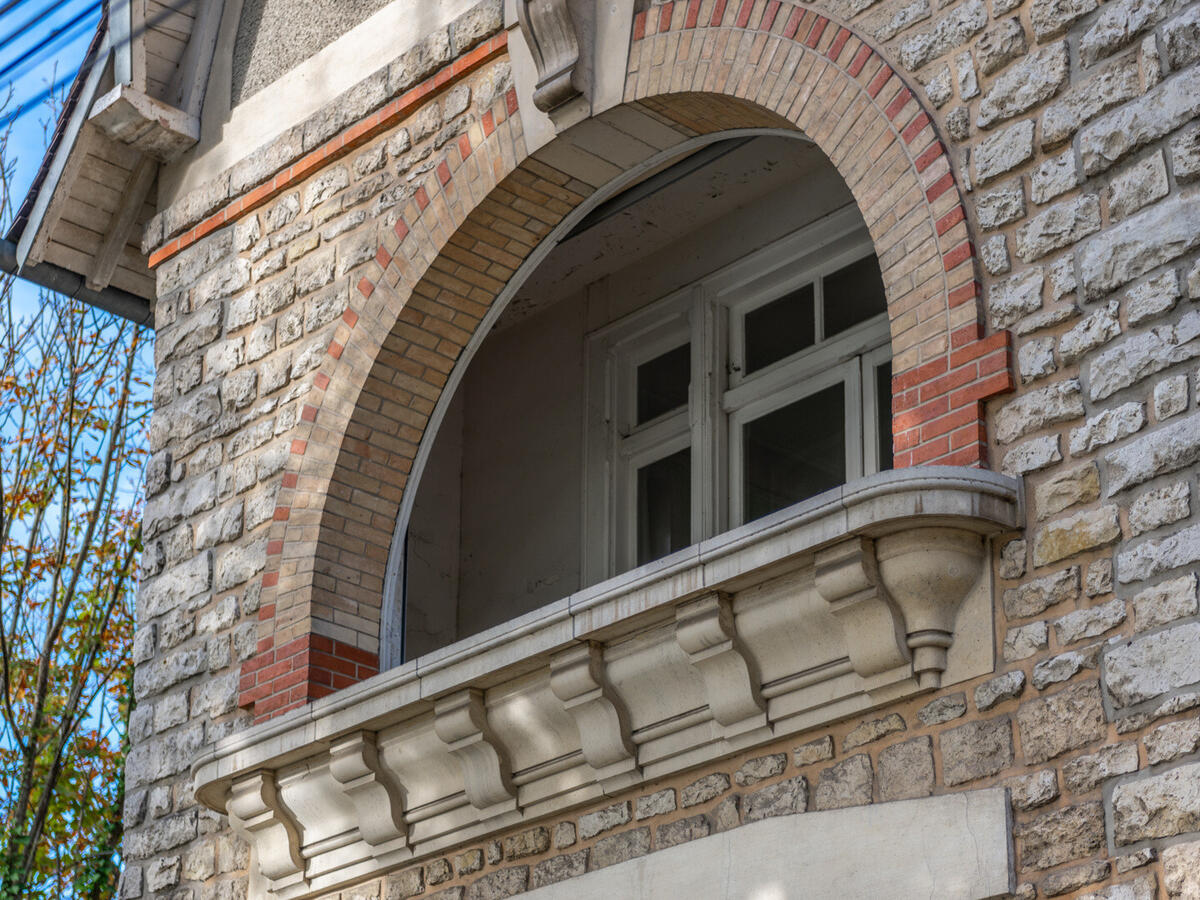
<point x="489" y="210"/>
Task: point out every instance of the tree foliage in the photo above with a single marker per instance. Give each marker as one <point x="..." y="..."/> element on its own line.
<point x="73" y="401"/>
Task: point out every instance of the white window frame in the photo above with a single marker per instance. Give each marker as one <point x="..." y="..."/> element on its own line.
<point x="710" y="315"/>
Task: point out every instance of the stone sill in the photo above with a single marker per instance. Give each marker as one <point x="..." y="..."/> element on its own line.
<point x="876" y="590"/>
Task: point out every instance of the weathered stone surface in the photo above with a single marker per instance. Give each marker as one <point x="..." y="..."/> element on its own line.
<point x="605" y="819"/>
<point x="968" y="82"/>
<point x="782" y="799"/>
<point x="1135" y="187"/>
<point x="1028" y="792"/>
<point x="704" y="789"/>
<point x="994" y="253"/>
<point x="1160" y="506"/>
<point x="1066" y="488"/>
<point x="1119" y="24"/>
<point x="1149" y="666"/>
<point x="499" y="884"/>
<point x="559" y="868"/>
<point x="1116" y="84"/>
<point x="1185" y="156"/>
<point x="1181" y="871"/>
<point x="1165" y="602"/>
<point x="468" y="862"/>
<point x="1059" y="668"/>
<point x="656" y="804"/>
<point x="755" y="770"/>
<point x="951" y="31"/>
<point x="1157" y="806"/>
<point x="1152" y="297"/>
<point x="849" y="783"/>
<point x="1143" y="888"/>
<point x="813" y="752"/>
<point x="1136" y="860"/>
<point x="1034" y="597"/>
<point x="938" y="87"/>
<point x="1053" y="177"/>
<point x="1173" y="740"/>
<point x="1170" y="397"/>
<point x="681" y="831"/>
<point x="906" y="770"/>
<point x="1014" y="297"/>
<point x="1050" y="726"/>
<point x="1025" y="640"/>
<point x="1004" y="204"/>
<point x="1040" y="408"/>
<point x="1031" y="456"/>
<point x="1160" y="112"/>
<point x="725" y="815"/>
<point x="176" y="586"/>
<point x="1083" y="531"/>
<point x="1029" y="82"/>
<point x="564" y="836"/>
<point x="1181" y="37"/>
<point x="976" y="749"/>
<point x="1099" y="579"/>
<point x="1003" y="151"/>
<point x="1000" y="45"/>
<point x="1061" y="835"/>
<point x="1051" y="18"/>
<point x="1067" y="880"/>
<point x="1153" y="557"/>
<point x="1035" y="359"/>
<point x="1085" y="772"/>
<point x="943" y="709"/>
<point x="996" y="690"/>
<point x="475" y="24"/>
<point x="527" y="843"/>
<point x="1086" y="623"/>
<point x="1012" y="559"/>
<point x="617" y="848"/>
<point x="1108" y="427"/>
<point x="872" y="730"/>
<point x="1094" y="331"/>
<point x="1057" y="226"/>
<point x="1140" y="243"/>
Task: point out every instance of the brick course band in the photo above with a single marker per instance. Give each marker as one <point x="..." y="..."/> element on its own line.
<point x="481" y="210"/>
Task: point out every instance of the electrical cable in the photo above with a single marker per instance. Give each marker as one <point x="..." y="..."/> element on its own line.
<point x="29" y="23"/>
<point x="49" y="39"/>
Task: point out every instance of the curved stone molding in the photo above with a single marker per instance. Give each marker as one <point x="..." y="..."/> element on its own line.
<point x="577" y="679"/>
<point x="705" y="631"/>
<point x="354" y="764"/>
<point x="875" y="590"/>
<point x="257" y="815"/>
<point x="460" y="720"/>
<point x="550" y="33"/>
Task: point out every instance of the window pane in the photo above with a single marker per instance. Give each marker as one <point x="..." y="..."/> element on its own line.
<point x="662" y="383"/>
<point x="779" y="328"/>
<point x="852" y="295"/>
<point x="883" y="404"/>
<point x="794" y="452"/>
<point x="664" y="506"/>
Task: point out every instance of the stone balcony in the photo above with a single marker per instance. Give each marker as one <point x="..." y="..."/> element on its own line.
<point x="874" y="591"/>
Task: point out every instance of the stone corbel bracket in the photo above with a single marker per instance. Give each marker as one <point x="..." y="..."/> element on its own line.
<point x="377" y="798"/>
<point x="460" y="721"/>
<point x="553" y="41"/>
<point x="897" y="599"/>
<point x="577" y="678"/>
<point x="705" y="631"/>
<point x="258" y="816"/>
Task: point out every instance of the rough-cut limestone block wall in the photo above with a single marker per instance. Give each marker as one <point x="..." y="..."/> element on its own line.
<point x="1074" y="126"/>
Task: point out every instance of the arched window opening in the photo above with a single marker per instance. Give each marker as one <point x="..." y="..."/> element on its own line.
<point x="706" y="349"/>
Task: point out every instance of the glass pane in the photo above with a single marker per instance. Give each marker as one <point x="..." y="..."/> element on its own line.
<point x="795" y="452"/>
<point x="852" y="295"/>
<point x="883" y="405"/>
<point x="779" y="328"/>
<point x="662" y="383"/>
<point x="664" y="506"/>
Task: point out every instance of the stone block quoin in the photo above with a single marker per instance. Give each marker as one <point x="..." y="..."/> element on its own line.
<point x="487" y="204"/>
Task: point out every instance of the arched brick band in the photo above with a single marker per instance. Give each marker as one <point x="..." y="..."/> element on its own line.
<point x="481" y="214"/>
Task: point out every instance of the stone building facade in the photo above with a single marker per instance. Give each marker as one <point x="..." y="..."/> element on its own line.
<point x="1000" y="631"/>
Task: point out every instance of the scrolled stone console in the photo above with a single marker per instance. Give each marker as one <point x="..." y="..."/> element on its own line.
<point x="876" y="590"/>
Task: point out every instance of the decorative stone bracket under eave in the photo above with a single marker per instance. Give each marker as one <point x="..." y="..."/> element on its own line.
<point x="155" y="129"/>
<point x="873" y="591"/>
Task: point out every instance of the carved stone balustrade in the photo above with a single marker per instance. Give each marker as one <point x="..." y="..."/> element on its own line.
<point x="873" y="591"/>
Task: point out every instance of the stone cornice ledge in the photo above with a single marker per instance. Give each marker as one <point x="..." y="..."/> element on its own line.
<point x="872" y="591"/>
